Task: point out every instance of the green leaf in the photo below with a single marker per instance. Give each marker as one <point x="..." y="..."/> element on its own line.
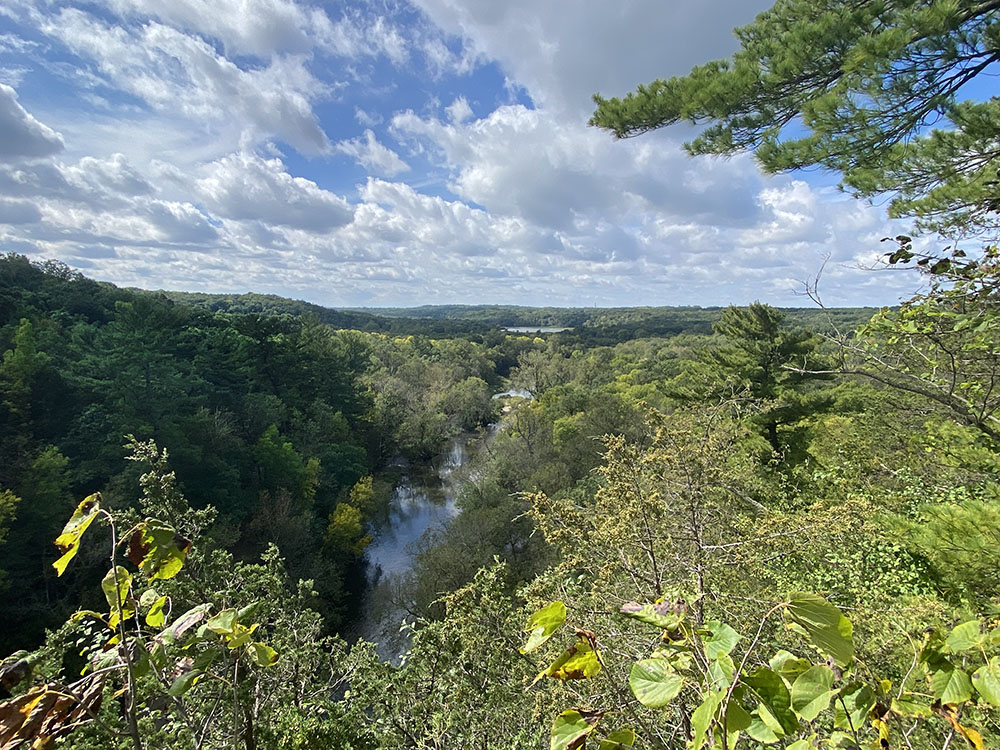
<point x="116" y="587"/>
<point x="263" y="655"/>
<point x="155" y="617"/>
<point x="183" y="683"/>
<point x="660" y="615"/>
<point x="68" y="541"/>
<point x="827" y="628"/>
<point x="859" y="701"/>
<point x="986" y="680"/>
<point x="721" y="672"/>
<point x="805" y="744"/>
<point x="906" y="706"/>
<point x="702" y="717"/>
<point x="620" y="739"/>
<point x="654" y="683"/>
<point x="543" y="624"/>
<point x="965" y="636"/>
<point x="760" y="731"/>
<point x="223" y="623"/>
<point x="720" y="641"/>
<point x="570" y="726"/>
<point x="157" y="549"/>
<point x="775" y="710"/>
<point x="578" y="662"/>
<point x="737" y="718"/>
<point x="951" y="685"/>
<point x="788" y="665"/>
<point x="811" y="692"/>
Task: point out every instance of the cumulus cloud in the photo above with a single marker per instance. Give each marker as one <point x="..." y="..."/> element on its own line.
<point x="21" y="135"/>
<point x="245" y="186"/>
<point x="372" y="155"/>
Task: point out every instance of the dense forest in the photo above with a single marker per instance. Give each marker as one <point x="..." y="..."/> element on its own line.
<point x="681" y="528"/>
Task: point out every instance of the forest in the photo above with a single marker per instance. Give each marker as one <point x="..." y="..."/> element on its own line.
<point x="679" y="527"/>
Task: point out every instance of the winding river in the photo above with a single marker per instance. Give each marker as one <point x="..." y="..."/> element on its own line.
<point x="421" y="501"/>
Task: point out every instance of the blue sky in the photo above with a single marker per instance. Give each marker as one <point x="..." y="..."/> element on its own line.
<point x="398" y="153"/>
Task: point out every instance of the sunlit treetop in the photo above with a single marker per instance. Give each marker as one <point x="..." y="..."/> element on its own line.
<point x="876" y="90"/>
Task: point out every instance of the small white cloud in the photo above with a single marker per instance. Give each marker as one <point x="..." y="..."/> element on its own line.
<point x="372" y="155"/>
<point x="459" y="111"/>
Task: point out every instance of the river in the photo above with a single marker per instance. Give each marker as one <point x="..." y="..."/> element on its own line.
<point x="422" y="500"/>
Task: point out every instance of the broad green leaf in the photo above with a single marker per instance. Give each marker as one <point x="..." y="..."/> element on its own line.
<point x="570" y="726"/>
<point x="907" y="706"/>
<point x="183" y="683"/>
<point x="859" y="701"/>
<point x="760" y="731"/>
<point x="827" y="628"/>
<point x="543" y="624"/>
<point x="157" y="549"/>
<point x="986" y="680"/>
<point x="965" y="636"/>
<point x="206" y="658"/>
<point x="262" y="654"/>
<point x="660" y="615"/>
<point x="805" y="744"/>
<point x="223" y="623"/>
<point x="776" y="703"/>
<point x="116" y="587"/>
<point x="620" y="739"/>
<point x="578" y="662"/>
<point x="702" y="717"/>
<point x="788" y="665"/>
<point x="654" y="683"/>
<point x="68" y="541"/>
<point x="951" y="685"/>
<point x="720" y="639"/>
<point x="737" y="718"/>
<point x="811" y="692"/>
<point x="155" y="617"/>
<point x="720" y="672"/>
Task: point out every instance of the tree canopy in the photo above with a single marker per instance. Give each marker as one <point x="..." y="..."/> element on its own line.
<point x="873" y="89"/>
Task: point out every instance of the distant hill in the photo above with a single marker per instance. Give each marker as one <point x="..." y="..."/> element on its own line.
<point x="588" y="325"/>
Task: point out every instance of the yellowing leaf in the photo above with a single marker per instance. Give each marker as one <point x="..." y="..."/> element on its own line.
<point x="68" y="541"/>
<point x="578" y="662"/>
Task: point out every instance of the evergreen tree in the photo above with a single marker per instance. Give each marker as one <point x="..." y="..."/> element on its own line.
<point x="854" y="87"/>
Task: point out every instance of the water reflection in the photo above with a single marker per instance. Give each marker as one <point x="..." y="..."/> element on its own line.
<point x="421" y="502"/>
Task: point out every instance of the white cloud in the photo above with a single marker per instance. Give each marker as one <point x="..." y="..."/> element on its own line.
<point x="21" y="135"/>
<point x="459" y="110"/>
<point x="178" y="74"/>
<point x="245" y="186"/>
<point x="260" y="28"/>
<point x="564" y="54"/>
<point x="372" y="155"/>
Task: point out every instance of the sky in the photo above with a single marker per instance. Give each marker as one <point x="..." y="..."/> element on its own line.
<point x="390" y="153"/>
